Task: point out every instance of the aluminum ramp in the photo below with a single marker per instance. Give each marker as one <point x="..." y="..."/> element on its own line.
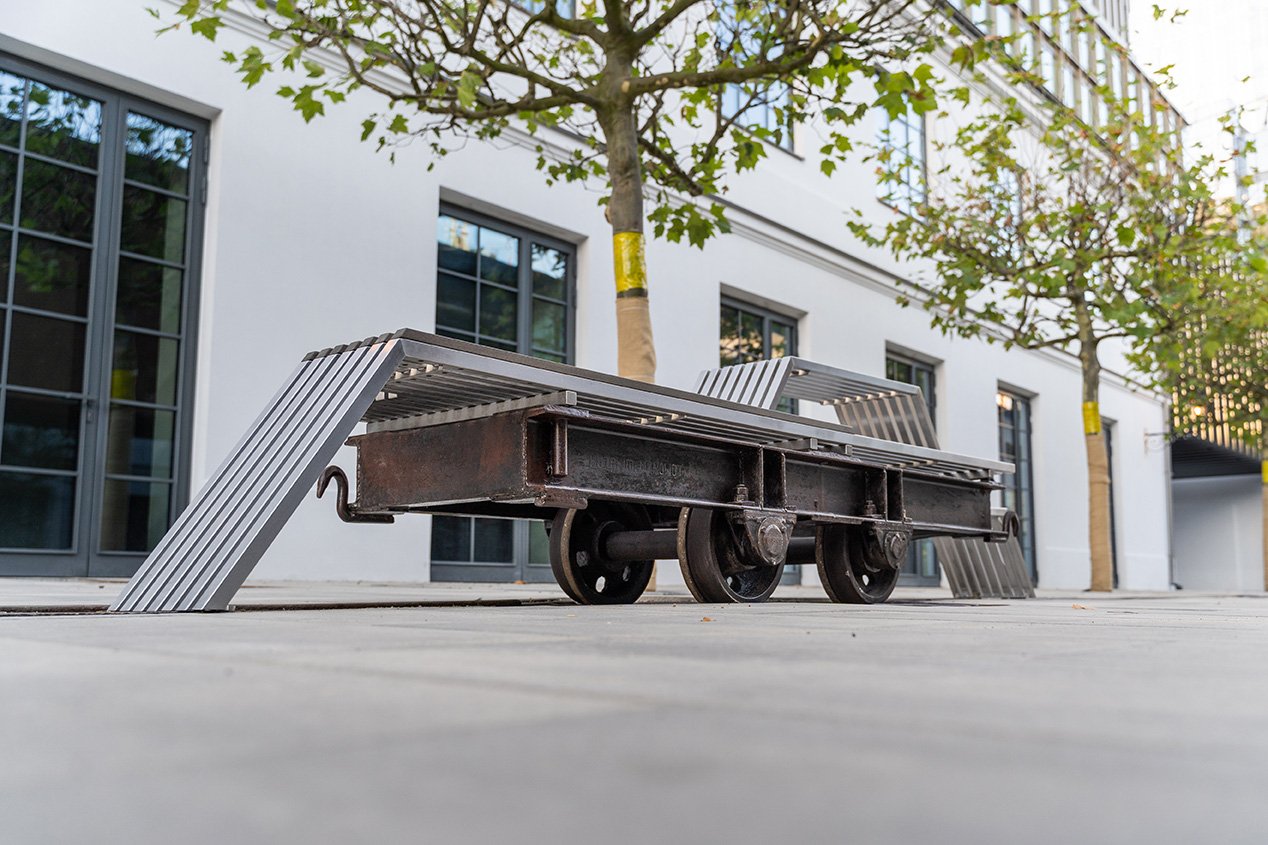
<point x="886" y="410"/>
<point x="412" y="379"/>
<point x="215" y="543"/>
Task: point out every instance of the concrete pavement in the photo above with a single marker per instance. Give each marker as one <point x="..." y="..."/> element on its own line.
<point x="1126" y="719"/>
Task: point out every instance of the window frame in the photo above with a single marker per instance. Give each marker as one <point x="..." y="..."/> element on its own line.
<point x="524" y="288"/>
<point x="899" y="194"/>
<point x="86" y="548"/>
<point x="522" y="566"/>
<point x="1025" y="468"/>
<point x="921" y="556"/>
<point x="766" y="315"/>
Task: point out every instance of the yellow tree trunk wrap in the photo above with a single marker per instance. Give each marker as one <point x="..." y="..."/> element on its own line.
<point x="1098" y="480"/>
<point x="1264" y="470"/>
<point x="635" y="351"/>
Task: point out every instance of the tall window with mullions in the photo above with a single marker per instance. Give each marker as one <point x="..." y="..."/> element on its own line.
<point x="100" y="211"/>
<point x="507" y="287"/>
<point x="921" y="567"/>
<point x="1019" y="486"/>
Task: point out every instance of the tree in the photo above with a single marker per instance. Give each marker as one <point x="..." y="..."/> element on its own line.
<point x="639" y="83"/>
<point x="1044" y="232"/>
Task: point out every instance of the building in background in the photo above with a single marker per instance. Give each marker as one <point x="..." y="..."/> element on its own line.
<point x="1220" y="70"/>
<point x="172" y="243"/>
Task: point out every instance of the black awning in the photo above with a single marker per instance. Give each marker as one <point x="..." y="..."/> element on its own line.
<point x="1193" y="457"/>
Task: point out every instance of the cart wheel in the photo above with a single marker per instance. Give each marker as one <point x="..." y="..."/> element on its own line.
<point x="855" y="565"/>
<point x="713" y="563"/>
<point x="576" y="554"/>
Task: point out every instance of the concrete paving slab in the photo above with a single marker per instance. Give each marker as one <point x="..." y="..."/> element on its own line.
<point x="1125" y="719"/>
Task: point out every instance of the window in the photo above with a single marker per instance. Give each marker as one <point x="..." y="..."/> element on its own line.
<point x="1047" y="9"/>
<point x="903" y="184"/>
<point x="503" y="287"/>
<point x="565" y="8"/>
<point x="100" y="214"/>
<point x="1048" y="68"/>
<point x="764" y="108"/>
<point x="750" y="333"/>
<point x="506" y="287"/>
<point x="758" y="104"/>
<point x="921" y="567"/>
<point x="1015" y="447"/>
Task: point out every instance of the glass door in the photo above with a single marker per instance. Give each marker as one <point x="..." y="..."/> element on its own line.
<point x="50" y="232"/>
<point x="95" y="216"/>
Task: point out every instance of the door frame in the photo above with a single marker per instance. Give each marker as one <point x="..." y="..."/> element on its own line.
<point x="85" y="557"/>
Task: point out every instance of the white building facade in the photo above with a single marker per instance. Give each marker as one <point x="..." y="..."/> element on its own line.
<point x="202" y="238"/>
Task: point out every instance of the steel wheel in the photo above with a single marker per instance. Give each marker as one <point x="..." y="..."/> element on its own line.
<point x="713" y="564"/>
<point x="856" y="568"/>
<point x="577" y="559"/>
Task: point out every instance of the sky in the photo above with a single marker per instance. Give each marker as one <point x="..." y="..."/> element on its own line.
<point x="1220" y="52"/>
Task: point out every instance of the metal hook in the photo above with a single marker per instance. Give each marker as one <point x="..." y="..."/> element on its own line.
<point x="347" y="512"/>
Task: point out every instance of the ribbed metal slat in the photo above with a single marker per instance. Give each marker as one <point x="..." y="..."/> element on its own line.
<point x="207" y="554"/>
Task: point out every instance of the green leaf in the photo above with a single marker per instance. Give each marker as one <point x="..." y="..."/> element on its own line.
<point x="206" y="27"/>
<point x="308" y="105"/>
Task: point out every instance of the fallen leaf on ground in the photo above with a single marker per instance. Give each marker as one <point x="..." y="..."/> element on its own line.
<point x="705" y="619"/>
<point x="1082" y="607"/>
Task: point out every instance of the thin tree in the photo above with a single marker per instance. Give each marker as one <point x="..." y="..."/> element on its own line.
<point x="1045" y="233"/>
<point x="663" y="98"/>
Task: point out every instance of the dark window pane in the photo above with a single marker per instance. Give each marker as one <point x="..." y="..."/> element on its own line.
<point x="493" y="541"/>
<point x="499" y="257"/>
<point x="549" y="325"/>
<point x="451" y="538"/>
<point x="457" y="242"/>
<point x="499" y="312"/>
<point x="499" y="344"/>
<point x="58" y="200"/>
<point x="144" y="368"/>
<point x="36" y="511"/>
<point x="8" y="185"/>
<point x="550" y="272"/>
<point x="158" y="154"/>
<point x="455" y="302"/>
<point x="153" y="225"/>
<point x="40" y="432"/>
<point x="12" y="90"/>
<point x="52" y="276"/>
<point x="730" y="337"/>
<point x="134" y="515"/>
<point x="47" y="353"/>
<point x="149" y="296"/>
<point x="63" y="125"/>
<point x="140" y="441"/>
<point x="750" y="338"/>
<point x="549" y="356"/>
<point x="6" y="239"/>
<point x="780" y="340"/>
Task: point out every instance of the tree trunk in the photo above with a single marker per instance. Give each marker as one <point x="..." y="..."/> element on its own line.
<point x="1098" y="476"/>
<point x="636" y="352"/>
